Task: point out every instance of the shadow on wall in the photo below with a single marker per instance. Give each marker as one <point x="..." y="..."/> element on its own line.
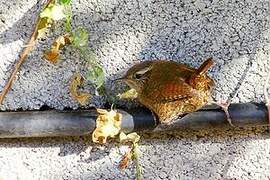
<point x="189" y="32"/>
<point x="39" y="82"/>
<point x="21" y="28"/>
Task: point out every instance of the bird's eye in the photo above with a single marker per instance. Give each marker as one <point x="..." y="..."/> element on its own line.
<point x="138" y="76"/>
<point x="142" y="73"/>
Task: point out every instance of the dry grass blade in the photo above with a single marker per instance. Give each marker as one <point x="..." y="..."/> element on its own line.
<point x="23" y="56"/>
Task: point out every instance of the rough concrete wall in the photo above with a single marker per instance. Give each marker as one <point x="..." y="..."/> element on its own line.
<point x="234" y="33"/>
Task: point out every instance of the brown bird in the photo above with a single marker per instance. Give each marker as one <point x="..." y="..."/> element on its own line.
<point x="170" y="89"/>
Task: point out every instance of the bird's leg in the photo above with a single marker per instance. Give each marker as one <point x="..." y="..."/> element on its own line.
<point x="225" y="107"/>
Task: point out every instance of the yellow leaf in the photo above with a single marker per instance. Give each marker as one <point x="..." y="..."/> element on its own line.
<point x="130" y="94"/>
<point x="81" y="97"/>
<point x="122" y="137"/>
<point x="108" y="124"/>
<point x="43" y="24"/>
<point x="53" y="54"/>
<point x="132" y="137"/>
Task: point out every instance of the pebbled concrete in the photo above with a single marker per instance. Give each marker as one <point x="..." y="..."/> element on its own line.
<point x="196" y="155"/>
<point x="235" y="33"/>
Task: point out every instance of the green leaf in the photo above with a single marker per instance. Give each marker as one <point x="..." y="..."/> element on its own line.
<point x="80" y="37"/>
<point x="96" y="75"/>
<point x="65" y="2"/>
<point x="95" y="72"/>
<point x="54" y="12"/>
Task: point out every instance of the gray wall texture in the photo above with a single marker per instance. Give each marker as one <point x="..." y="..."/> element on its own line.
<point x="235" y="33"/>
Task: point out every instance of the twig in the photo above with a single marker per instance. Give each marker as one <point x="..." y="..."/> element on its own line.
<point x="267" y="100"/>
<point x="23" y="56"/>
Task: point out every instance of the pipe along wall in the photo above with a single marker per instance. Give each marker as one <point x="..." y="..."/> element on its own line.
<point x="75" y="123"/>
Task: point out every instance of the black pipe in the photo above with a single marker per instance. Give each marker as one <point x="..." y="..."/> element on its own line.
<point x="46" y="123"/>
<point x="242" y="115"/>
<point x="74" y="123"/>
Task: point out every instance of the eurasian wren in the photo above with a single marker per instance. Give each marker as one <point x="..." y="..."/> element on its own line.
<point x="170" y="89"/>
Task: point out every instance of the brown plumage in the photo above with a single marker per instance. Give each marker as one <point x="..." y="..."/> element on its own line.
<point x="170" y="89"/>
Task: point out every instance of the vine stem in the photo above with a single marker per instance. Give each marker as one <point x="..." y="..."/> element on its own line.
<point x="23" y="56"/>
<point x="137" y="162"/>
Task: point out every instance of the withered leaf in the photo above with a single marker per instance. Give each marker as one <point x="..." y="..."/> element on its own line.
<point x="131" y="137"/>
<point x="108" y="124"/>
<point x="52" y="55"/>
<point x="125" y="160"/>
<point x="45" y="21"/>
<point x="82" y="97"/>
<point x="43" y="24"/>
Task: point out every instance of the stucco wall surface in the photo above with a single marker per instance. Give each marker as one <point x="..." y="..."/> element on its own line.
<point x="235" y="33"/>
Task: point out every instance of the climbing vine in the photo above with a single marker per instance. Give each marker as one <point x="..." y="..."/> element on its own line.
<point x="108" y="123"/>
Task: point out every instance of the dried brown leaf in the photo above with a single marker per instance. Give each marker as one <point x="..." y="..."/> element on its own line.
<point x="82" y="97"/>
<point x="108" y="124"/>
<point x="52" y="55"/>
<point x="132" y="139"/>
<point x="125" y="160"/>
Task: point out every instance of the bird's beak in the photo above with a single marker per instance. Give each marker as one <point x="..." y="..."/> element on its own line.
<point x="120" y="79"/>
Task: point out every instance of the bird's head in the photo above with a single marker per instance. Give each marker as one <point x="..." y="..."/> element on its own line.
<point x="138" y="75"/>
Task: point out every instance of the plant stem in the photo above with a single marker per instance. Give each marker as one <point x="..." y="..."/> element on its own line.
<point x="137" y="162"/>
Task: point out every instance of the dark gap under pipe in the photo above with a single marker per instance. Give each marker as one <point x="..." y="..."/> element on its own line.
<point x="82" y="122"/>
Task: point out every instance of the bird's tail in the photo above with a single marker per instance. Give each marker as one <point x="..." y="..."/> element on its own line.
<point x="204" y="67"/>
<point x="199" y="73"/>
